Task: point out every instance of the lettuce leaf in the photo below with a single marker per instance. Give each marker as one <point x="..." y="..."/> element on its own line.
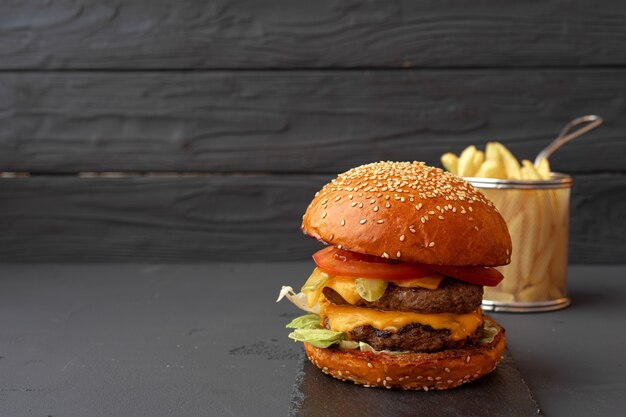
<point x="490" y="330"/>
<point x="308" y="321"/>
<point x="300" y="299"/>
<point x="308" y="329"/>
<point x="366" y="347"/>
<point x="321" y="338"/>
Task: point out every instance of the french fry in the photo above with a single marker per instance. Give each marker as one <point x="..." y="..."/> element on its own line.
<point x="495" y="295"/>
<point x="466" y="161"/>
<point x="450" y="162"/>
<point x="544" y="169"/>
<point x="530" y="171"/>
<point x="477" y="161"/>
<point x="533" y="293"/>
<point x="491" y="152"/>
<point x="510" y="162"/>
<point x="490" y="169"/>
<point x="496" y="165"/>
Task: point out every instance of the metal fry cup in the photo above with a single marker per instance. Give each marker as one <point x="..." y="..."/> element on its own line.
<point x="537" y="215"/>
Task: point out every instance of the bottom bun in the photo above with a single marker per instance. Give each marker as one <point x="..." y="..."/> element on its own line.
<point x="410" y="371"/>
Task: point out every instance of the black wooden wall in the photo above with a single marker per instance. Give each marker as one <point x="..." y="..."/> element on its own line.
<point x="191" y="130"/>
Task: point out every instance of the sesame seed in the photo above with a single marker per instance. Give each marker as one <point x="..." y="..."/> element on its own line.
<point x="430" y="378"/>
<point x="375" y="208"/>
<point x="431" y="213"/>
<point x="416" y="179"/>
<point x="331" y="237"/>
<point x="470" y="208"/>
<point x="411" y="229"/>
<point x="343" y="222"/>
<point x="468" y="359"/>
<point x="476" y="228"/>
<point x="402" y="237"/>
<point x="380" y="221"/>
<point x="360" y="205"/>
<point x="449" y="381"/>
<point x="440" y="217"/>
<point x="339" y="246"/>
<point x="387" y="204"/>
<point x="422" y="219"/>
<point x="398" y="254"/>
<point x="323" y="215"/>
<point x="350" y="196"/>
<point x="369" y="365"/>
<point x="431" y="244"/>
<point x="419" y="206"/>
<point x="372" y="201"/>
<point x="425" y="388"/>
<point x="363" y="221"/>
<point x="388" y="378"/>
<point x="353" y="204"/>
<point x="447" y="370"/>
<point x="385" y="255"/>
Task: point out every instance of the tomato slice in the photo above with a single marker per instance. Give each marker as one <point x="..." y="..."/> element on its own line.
<point x="479" y="275"/>
<point x="344" y="263"/>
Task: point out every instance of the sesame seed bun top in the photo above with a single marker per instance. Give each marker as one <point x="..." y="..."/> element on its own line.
<point x="410" y="212"/>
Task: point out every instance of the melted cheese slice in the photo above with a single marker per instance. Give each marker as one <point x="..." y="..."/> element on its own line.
<point x="346" y="318"/>
<point x="346" y="287"/>
<point x="430" y="282"/>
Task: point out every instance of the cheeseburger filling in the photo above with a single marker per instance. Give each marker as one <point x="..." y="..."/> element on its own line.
<point x="451" y="296"/>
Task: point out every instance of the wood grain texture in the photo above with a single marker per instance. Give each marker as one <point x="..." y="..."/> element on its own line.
<point x="299" y="121"/>
<point x="84" y="34"/>
<point x="222" y="217"/>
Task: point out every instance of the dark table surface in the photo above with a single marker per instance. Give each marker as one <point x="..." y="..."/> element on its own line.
<point x="208" y="340"/>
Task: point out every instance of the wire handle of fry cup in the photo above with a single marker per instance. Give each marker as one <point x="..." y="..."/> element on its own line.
<point x="591" y="121"/>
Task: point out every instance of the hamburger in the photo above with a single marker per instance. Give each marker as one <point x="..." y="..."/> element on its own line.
<point x="394" y="300"/>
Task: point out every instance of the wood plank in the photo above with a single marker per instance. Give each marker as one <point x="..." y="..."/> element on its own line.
<point x="162" y="34"/>
<point x="299" y="121"/>
<point x="222" y="217"/>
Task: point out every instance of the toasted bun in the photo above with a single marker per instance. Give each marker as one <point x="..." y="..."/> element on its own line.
<point x="412" y="371"/>
<point x="411" y="212"/>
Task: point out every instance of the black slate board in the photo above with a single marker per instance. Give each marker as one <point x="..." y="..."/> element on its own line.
<point x="501" y="393"/>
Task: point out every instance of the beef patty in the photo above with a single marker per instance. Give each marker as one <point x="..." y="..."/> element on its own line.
<point x="452" y="296"/>
<point x="413" y="337"/>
